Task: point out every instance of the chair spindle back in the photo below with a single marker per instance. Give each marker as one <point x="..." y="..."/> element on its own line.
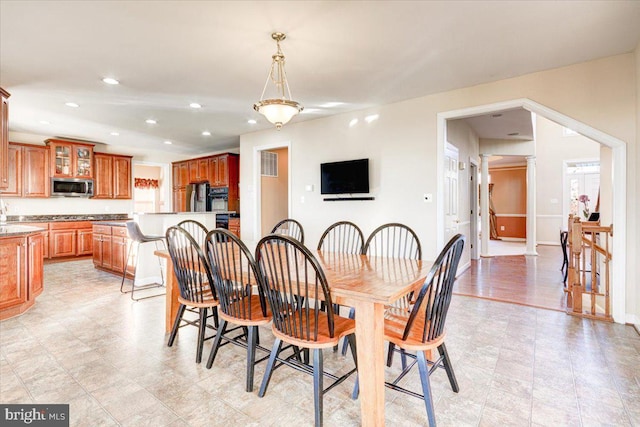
<point x="294" y="284"/>
<point x="435" y="295"/>
<point x="344" y="237"/>
<point x="190" y="266"/>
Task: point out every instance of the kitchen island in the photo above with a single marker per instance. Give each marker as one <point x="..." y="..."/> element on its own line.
<point x="157" y="224"/>
<point x="21" y="268"/>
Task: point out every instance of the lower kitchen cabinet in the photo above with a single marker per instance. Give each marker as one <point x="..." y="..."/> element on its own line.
<point x="110" y="245"/>
<point x="71" y="238"/>
<point x="21" y="273"/>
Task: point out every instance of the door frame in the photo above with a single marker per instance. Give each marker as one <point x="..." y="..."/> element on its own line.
<point x="475" y="207"/>
<point x="619" y="181"/>
<point x="257" y="183"/>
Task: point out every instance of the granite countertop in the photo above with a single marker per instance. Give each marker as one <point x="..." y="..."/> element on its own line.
<point x="18" y="230"/>
<point x="112" y="223"/>
<point x="187" y="213"/>
<point x="60" y="218"/>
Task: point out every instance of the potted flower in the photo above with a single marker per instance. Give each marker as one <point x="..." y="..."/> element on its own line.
<point x="584" y="199"/>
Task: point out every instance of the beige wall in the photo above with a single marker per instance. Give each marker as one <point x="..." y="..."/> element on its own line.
<point x="633" y="294"/>
<point x="146" y="200"/>
<point x="275" y="193"/>
<point x="402" y="148"/>
<point x="552" y="150"/>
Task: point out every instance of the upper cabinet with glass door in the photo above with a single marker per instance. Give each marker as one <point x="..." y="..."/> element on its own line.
<point x="70" y="159"/>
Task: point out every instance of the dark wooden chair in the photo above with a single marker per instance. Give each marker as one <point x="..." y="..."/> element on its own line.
<point x="196" y="229"/>
<point x="195" y="280"/>
<point x="289" y="227"/>
<point x="393" y="240"/>
<point x="344" y="237"/>
<point x="422" y="329"/>
<point x="234" y="276"/>
<point x="564" y="237"/>
<point x="295" y="286"/>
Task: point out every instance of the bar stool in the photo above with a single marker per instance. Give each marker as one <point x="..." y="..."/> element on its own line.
<point x="136" y="236"/>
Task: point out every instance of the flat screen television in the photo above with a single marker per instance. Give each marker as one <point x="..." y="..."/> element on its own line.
<point x="351" y="176"/>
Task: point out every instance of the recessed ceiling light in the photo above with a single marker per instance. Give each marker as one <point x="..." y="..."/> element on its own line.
<point x="115" y="134"/>
<point x="331" y="104"/>
<point x="71" y="104"/>
<point x="151" y="121"/>
<point x="44" y="122"/>
<point x="168" y="142"/>
<point x="251" y="122"/>
<point x="110" y="81"/>
<point x="195" y="105"/>
<point x="514" y="134"/>
<point x="206" y="133"/>
<point x="371" y="118"/>
<point x="353" y="122"/>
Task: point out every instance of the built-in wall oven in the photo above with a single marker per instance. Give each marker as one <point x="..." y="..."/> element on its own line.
<point x="222" y="221"/>
<point x="219" y="198"/>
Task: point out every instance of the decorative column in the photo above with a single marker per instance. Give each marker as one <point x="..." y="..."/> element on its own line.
<point x="484" y="205"/>
<point x="531" y="206"/>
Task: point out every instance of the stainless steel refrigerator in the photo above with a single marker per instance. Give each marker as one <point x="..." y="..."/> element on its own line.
<point x="197" y="198"/>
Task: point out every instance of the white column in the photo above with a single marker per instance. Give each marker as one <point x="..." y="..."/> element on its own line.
<point x="484" y="205"/>
<point x="531" y="206"/>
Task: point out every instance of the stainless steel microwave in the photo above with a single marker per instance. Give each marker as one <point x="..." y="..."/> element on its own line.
<point x="71" y="187"/>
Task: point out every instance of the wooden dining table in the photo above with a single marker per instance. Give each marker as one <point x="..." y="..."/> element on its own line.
<point x="368" y="284"/>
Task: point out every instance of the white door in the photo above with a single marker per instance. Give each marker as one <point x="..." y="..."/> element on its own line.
<point x="451" y="219"/>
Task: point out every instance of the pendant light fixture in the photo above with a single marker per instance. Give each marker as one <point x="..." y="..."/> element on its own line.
<point x="278" y="110"/>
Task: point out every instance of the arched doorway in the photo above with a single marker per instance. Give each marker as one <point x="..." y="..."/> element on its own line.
<point x="618" y="149"/>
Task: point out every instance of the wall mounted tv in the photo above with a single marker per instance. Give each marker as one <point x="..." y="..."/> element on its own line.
<point x="348" y="177"/>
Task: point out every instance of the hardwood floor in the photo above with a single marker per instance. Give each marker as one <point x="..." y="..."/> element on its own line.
<point x="531" y="281"/>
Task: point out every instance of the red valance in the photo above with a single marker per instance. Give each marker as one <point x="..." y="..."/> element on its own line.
<point x="145" y="183"/>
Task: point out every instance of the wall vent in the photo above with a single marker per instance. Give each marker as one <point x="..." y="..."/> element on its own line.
<point x="268" y="163"/>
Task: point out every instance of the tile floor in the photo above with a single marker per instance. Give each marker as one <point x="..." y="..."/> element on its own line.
<point x="87" y="345"/>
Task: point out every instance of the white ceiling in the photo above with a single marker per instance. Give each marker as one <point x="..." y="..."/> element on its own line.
<point x="168" y="54"/>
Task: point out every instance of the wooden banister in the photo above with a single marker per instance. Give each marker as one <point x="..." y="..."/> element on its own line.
<point x="589" y="269"/>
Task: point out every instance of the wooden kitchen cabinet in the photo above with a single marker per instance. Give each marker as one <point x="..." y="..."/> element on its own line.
<point x="198" y="170"/>
<point x="13" y="281"/>
<point x="180" y="181"/>
<point x="4" y="139"/>
<point x="70" y="238"/>
<point x="21" y="273"/>
<point x="110" y="245"/>
<point x="180" y="174"/>
<point x="71" y="159"/>
<point x="234" y="226"/>
<point x="35" y="257"/>
<point x="113" y="176"/>
<point x="28" y="171"/>
<point x="102" y="246"/>
<point x="45" y="236"/>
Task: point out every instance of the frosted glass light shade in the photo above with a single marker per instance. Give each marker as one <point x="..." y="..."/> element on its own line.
<point x="278" y="111"/>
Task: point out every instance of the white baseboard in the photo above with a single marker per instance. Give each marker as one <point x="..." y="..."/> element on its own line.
<point x="548" y="243"/>
<point x="512" y="239"/>
<point x="634" y="320"/>
<point x="463" y="268"/>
